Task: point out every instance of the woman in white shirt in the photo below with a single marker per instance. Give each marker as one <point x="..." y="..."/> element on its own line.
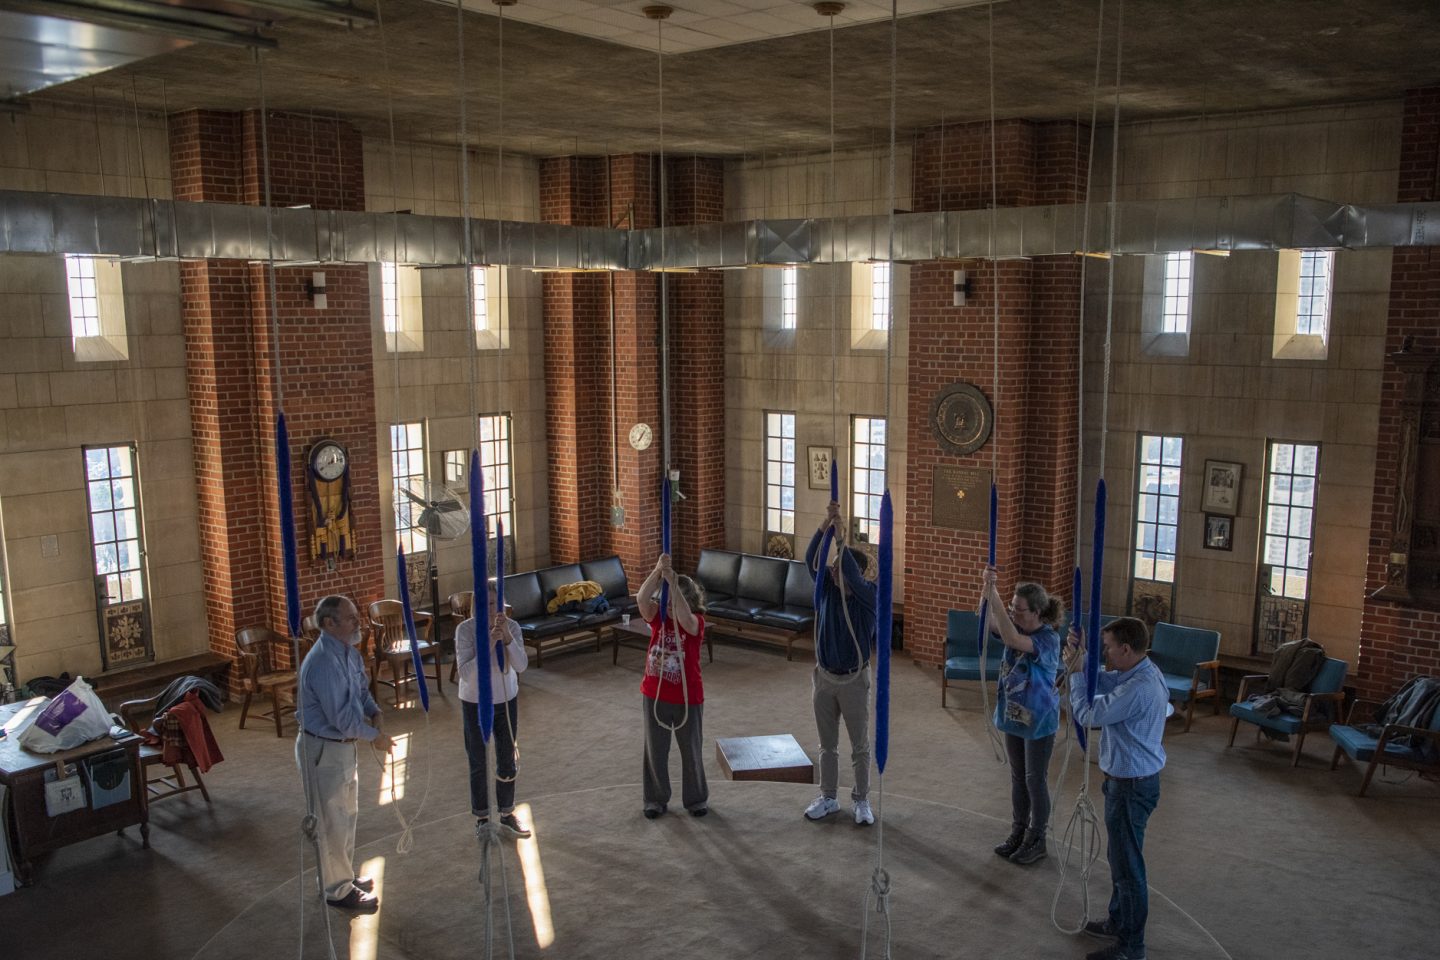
<point x="508" y="659"/>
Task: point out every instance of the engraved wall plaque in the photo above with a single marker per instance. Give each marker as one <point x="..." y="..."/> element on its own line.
<point x="961" y="498"/>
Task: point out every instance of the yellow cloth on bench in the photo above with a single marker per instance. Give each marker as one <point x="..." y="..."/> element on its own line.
<point x="573" y="593"/>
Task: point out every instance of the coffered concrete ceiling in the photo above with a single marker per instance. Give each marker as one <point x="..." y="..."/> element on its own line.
<point x="565" y="92"/>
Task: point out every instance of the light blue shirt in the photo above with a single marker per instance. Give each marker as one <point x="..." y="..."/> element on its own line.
<point x="334" y="700"/>
<point x="1130" y="706"/>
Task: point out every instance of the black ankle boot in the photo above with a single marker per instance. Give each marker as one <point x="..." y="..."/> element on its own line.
<point x="1032" y="849"/>
<point x="1011" y="844"/>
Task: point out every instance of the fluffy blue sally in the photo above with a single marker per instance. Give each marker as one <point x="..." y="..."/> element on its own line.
<point x="664" y="545"/>
<point x="985" y="601"/>
<point x="823" y="556"/>
<point x="403" y="580"/>
<point x="287" y="525"/>
<point x="1097" y="565"/>
<point x="480" y="599"/>
<point x="499" y="587"/>
<point x="885" y="602"/>
<point x="1076" y="622"/>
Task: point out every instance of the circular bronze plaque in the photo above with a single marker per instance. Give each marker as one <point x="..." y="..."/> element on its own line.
<point x="961" y="418"/>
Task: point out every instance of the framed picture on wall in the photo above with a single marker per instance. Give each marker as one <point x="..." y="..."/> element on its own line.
<point x="1219" y="532"/>
<point x="1221" y="488"/>
<point x="819" y="460"/>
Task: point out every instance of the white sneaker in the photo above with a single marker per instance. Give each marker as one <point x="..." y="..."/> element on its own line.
<point x="863" y="816"/>
<point x="822" y="807"/>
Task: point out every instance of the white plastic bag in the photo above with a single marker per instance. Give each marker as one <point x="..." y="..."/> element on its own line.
<point x="74" y="717"/>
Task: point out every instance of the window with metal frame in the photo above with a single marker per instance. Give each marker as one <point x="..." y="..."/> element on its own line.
<point x="84" y="292"/>
<point x="779" y="472"/>
<point x="1292" y="474"/>
<point x="495" y="470"/>
<point x="880" y="286"/>
<point x="116" y="539"/>
<point x="1179" y="283"/>
<point x="789" y="297"/>
<point x="1317" y="277"/>
<point x="479" y="288"/>
<point x="390" y="296"/>
<point x="1157" y="507"/>
<point x="867" y="476"/>
<point x="407" y="472"/>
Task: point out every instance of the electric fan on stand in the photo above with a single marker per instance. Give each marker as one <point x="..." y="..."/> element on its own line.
<point x="444" y="517"/>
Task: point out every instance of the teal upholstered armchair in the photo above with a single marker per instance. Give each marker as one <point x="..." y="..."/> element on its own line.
<point x="1320" y="705"/>
<point x="1397" y="745"/>
<point x="962" y="628"/>
<point x="1187" y="656"/>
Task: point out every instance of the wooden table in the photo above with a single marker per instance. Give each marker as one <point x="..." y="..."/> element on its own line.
<point x="32" y="830"/>
<point x="777" y="757"/>
<point x="637" y="628"/>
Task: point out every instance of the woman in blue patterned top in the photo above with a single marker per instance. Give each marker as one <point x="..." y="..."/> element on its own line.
<point x="1027" y="708"/>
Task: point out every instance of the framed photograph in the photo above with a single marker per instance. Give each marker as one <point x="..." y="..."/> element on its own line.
<point x="1219" y="532"/>
<point x="819" y="460"/>
<point x="1221" y="489"/>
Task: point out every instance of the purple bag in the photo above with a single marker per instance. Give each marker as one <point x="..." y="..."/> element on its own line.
<point x="59" y="712"/>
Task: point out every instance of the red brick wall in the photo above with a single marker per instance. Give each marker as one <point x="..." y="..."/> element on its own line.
<point x="1396" y="642"/>
<point x="588" y="435"/>
<point x="1033" y="447"/>
<point x="326" y="371"/>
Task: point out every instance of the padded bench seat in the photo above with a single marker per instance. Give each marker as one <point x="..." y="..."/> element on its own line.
<point x="757" y="598"/>
<point x="528" y="595"/>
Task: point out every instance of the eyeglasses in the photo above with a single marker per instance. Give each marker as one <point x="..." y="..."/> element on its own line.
<point x="1016" y="611"/>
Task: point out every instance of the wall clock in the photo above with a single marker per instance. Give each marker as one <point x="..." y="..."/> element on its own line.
<point x="961" y="418"/>
<point x="641" y="436"/>
<point x="327" y="479"/>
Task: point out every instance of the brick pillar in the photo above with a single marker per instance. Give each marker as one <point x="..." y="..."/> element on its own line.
<point x="1035" y="367"/>
<point x="231" y="370"/>
<point x="581" y="360"/>
<point x="1398" y="642"/>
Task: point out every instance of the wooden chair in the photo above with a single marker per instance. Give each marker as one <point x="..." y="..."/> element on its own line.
<point x="138" y="716"/>
<point x="1396" y="746"/>
<point x="1325" y="689"/>
<point x="460" y="604"/>
<point x="962" y="657"/>
<point x="392" y="646"/>
<point x="259" y="654"/>
<point x="1188" y="658"/>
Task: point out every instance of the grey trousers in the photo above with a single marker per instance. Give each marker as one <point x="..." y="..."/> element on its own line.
<point x="1029" y="793"/>
<point x="694" y="790"/>
<point x="833" y="699"/>
<point x="328" y="771"/>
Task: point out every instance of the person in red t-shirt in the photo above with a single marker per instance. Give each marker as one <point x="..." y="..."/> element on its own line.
<point x="672" y="697"/>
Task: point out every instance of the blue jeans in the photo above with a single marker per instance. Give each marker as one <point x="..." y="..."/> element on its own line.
<point x="1128" y="805"/>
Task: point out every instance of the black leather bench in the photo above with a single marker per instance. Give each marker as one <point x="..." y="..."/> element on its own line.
<point x="758" y="598"/>
<point x="528" y="595"/>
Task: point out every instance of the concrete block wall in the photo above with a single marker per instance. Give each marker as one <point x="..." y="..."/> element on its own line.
<point x="1228" y="395"/>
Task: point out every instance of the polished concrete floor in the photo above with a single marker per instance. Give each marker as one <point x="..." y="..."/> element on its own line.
<point x="1248" y="857"/>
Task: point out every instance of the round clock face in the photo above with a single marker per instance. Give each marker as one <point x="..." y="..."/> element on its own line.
<point x="961" y="418"/>
<point x="329" y="460"/>
<point x="641" y="436"/>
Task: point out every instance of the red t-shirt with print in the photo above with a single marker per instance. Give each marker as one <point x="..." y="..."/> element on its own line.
<point x="663" y="662"/>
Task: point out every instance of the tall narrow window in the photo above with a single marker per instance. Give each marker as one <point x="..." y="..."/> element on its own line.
<point x="1312" y="311"/>
<point x="867" y="476"/>
<point x="390" y="297"/>
<point x="1179" y="274"/>
<point x="880" y="274"/>
<point x="495" y="463"/>
<point x="789" y="297"/>
<point x="479" y="291"/>
<point x="97" y="308"/>
<point x="1292" y="473"/>
<point x="1157" y="507"/>
<point x="779" y="473"/>
<point x="407" y="477"/>
<point x="115" y="521"/>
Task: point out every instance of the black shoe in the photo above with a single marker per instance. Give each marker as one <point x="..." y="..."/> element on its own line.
<point x="1031" y="850"/>
<point x="1011" y="844"/>
<point x="1101" y="930"/>
<point x="654" y="813"/>
<point x="699" y="811"/>
<point x="1114" y="952"/>
<point x="363" y="883"/>
<point x="511" y="827"/>
<point x="357" y="900"/>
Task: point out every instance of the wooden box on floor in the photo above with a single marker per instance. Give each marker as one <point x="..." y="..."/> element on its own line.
<point x="777" y="757"/>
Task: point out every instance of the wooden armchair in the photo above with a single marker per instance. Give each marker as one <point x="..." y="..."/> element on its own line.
<point x="1325" y="689"/>
<point x="259" y="656"/>
<point x="460" y="604"/>
<point x="392" y="646"/>
<point x="1188" y="658"/>
<point x="138" y="716"/>
<point x="1361" y="746"/>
